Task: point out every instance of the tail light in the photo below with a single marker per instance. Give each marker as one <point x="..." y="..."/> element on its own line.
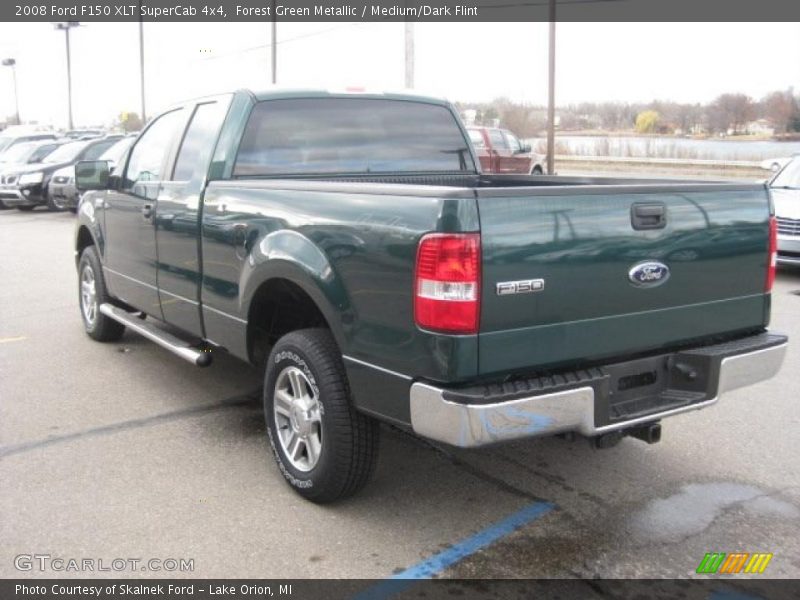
<point x="447" y="282"/>
<point x="773" y="253"/>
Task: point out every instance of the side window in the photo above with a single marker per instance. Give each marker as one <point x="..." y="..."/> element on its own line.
<point x="94" y="151"/>
<point x="497" y="139"/>
<point x="513" y="142"/>
<point x="198" y="143"/>
<point x="146" y="161"/>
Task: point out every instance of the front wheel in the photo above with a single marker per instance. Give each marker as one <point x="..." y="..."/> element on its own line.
<point x="52" y="204"/>
<point x="325" y="450"/>
<point x="91" y="294"/>
<point x="537" y="170"/>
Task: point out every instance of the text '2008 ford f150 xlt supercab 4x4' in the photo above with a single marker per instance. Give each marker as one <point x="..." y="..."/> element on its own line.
<point x="349" y="246"/>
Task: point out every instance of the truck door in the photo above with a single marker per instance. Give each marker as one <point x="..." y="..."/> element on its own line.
<point x="501" y="152"/>
<point x="519" y="162"/>
<point x="130" y="252"/>
<point x="178" y="217"/>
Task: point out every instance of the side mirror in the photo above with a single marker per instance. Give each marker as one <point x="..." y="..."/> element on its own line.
<point x="92" y="175"/>
<point x="525" y="148"/>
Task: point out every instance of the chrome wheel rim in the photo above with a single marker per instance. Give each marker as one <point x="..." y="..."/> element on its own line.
<point x="298" y="418"/>
<point x="88" y="295"/>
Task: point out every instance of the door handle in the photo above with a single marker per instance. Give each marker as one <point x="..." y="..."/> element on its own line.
<point x="648" y="215"/>
<point x="147" y="211"/>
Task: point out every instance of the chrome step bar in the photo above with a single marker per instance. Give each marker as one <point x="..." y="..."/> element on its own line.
<point x="157" y="335"/>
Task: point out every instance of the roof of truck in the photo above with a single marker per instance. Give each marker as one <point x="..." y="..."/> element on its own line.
<point x="282" y="93"/>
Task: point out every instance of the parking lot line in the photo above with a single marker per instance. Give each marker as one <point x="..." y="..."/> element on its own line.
<point x="440" y="561"/>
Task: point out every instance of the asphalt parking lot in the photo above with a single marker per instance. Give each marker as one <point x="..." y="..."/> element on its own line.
<point x="123" y="450"/>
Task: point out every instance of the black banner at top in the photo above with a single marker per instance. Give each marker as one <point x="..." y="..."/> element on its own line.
<point x="399" y="10"/>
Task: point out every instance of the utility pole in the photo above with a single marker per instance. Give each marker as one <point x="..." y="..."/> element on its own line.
<point x="274" y="42"/>
<point x="141" y="63"/>
<point x="409" y="54"/>
<point x="10" y="62"/>
<point x="65" y="26"/>
<point x="551" y="92"/>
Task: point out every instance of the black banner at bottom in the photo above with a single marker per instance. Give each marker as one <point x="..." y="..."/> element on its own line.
<point x="402" y="589"/>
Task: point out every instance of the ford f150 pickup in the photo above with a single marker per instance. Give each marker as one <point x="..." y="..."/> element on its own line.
<point x="349" y="246"/>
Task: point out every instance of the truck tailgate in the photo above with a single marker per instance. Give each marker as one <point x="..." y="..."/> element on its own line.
<point x="574" y="286"/>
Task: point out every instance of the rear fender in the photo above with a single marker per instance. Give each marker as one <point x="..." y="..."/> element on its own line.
<point x="290" y="255"/>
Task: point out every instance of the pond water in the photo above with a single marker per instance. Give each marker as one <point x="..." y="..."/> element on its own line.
<point x="669" y="147"/>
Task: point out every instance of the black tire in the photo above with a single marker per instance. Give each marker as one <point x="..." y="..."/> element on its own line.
<point x="73" y="210"/>
<point x="25" y="208"/>
<point x="101" y="328"/>
<point x="51" y="204"/>
<point x="349" y="440"/>
<point x="537" y="170"/>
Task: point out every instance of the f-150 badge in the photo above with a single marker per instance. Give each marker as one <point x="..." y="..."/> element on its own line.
<point x="525" y="286"/>
<point x="648" y="274"/>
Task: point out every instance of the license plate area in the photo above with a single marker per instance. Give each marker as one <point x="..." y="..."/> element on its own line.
<point x="648" y="386"/>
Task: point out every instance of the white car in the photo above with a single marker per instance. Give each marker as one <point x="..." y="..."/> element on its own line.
<point x="785" y="187"/>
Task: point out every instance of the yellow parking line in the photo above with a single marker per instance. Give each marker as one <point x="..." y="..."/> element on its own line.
<point x="19" y="338"/>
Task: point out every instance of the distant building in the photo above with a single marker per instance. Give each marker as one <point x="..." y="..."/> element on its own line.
<point x="760" y="127"/>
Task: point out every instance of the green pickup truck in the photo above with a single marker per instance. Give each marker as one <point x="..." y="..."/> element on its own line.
<point x="348" y="245"/>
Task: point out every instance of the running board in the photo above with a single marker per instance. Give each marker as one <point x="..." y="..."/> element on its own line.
<point x="157" y="335"/>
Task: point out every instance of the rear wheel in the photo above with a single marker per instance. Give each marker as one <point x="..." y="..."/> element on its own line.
<point x="537" y="170"/>
<point x="91" y="294"/>
<point x="325" y="450"/>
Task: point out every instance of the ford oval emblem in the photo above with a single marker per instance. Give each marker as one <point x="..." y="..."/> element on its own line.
<point x="648" y="274"/>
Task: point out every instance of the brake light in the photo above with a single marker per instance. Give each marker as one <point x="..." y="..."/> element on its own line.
<point x="773" y="253"/>
<point x="447" y="282"/>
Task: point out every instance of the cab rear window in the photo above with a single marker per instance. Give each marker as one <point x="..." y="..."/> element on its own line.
<point x="351" y="136"/>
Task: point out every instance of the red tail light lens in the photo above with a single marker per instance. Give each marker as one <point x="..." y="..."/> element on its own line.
<point x="773" y="254"/>
<point x="447" y="282"/>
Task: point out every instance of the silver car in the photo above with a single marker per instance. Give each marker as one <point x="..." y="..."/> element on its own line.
<point x="786" y="195"/>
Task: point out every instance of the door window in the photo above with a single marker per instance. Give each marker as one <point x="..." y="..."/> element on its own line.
<point x="198" y="143"/>
<point x="497" y="139"/>
<point x="146" y="163"/>
<point x="513" y="142"/>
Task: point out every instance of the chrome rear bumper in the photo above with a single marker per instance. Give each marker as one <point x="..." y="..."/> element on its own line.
<point x="437" y="417"/>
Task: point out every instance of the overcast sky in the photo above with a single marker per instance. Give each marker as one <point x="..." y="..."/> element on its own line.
<point x="688" y="62"/>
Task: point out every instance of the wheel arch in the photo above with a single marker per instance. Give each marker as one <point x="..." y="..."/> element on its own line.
<point x="291" y="284"/>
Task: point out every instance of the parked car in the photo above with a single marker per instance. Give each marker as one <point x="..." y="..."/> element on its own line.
<point x="785" y="188"/>
<point x="61" y="189"/>
<point x="84" y="134"/>
<point x="26" y="188"/>
<point x="24" y="154"/>
<point x="19" y="134"/>
<point x="500" y="151"/>
<point x="362" y="260"/>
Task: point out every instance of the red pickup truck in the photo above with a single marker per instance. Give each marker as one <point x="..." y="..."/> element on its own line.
<point x="500" y="151"/>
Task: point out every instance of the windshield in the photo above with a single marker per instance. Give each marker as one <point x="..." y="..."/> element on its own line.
<point x="790" y="176"/>
<point x="18" y="153"/>
<point x="114" y="154"/>
<point x="5" y="142"/>
<point x="353" y="136"/>
<point x="66" y="153"/>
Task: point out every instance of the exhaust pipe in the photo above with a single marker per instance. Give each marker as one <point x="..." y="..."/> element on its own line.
<point x="647" y="433"/>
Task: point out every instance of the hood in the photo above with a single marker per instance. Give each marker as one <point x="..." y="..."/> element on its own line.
<point x="68" y="171"/>
<point x="787" y="203"/>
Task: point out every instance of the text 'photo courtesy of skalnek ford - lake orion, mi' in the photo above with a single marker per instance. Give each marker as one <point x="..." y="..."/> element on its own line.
<point x="366" y="299"/>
